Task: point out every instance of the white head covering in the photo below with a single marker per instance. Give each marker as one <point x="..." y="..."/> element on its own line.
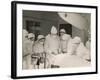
<point x="76" y="39"/>
<point x="53" y="30"/>
<point x="31" y="35"/>
<point x="65" y="37"/>
<point x="63" y="30"/>
<point x="25" y="33"/>
<point x="40" y="36"/>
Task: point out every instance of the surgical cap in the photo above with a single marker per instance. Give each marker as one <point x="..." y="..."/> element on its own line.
<point x="53" y="30"/>
<point x="40" y="36"/>
<point x="62" y="30"/>
<point x="31" y="35"/>
<point x="76" y="39"/>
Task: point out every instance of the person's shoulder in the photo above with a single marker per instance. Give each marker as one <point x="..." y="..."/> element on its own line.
<point x="70" y="40"/>
<point x="68" y="35"/>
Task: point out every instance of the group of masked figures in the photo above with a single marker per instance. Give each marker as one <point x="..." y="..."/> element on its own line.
<point x="54" y="51"/>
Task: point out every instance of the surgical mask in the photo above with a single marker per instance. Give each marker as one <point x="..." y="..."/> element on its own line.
<point x="62" y="33"/>
<point x="32" y="39"/>
<point x="41" y="42"/>
<point x="53" y="35"/>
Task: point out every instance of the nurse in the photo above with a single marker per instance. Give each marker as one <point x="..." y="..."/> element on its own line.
<point x="52" y="45"/>
<point x="72" y="45"/>
<point x="64" y="42"/>
<point x="24" y="48"/>
<point x="30" y="43"/>
<point x="38" y="55"/>
<point x="62" y="32"/>
<point x="82" y="51"/>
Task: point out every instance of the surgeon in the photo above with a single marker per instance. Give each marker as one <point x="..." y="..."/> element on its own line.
<point x="64" y="42"/>
<point x="24" y="47"/>
<point x="38" y="56"/>
<point x="62" y="32"/>
<point x="76" y="47"/>
<point x="72" y="45"/>
<point x="38" y="47"/>
<point x="83" y="52"/>
<point x="52" y="45"/>
<point x="30" y="43"/>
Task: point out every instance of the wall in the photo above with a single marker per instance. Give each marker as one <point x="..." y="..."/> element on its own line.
<point x="78" y="32"/>
<point x="80" y="23"/>
<point x="48" y="19"/>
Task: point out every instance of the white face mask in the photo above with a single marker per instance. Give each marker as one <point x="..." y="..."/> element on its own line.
<point x="61" y="34"/>
<point x="53" y="35"/>
<point x="41" y="42"/>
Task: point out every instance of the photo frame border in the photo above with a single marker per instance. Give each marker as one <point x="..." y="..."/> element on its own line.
<point x="14" y="39"/>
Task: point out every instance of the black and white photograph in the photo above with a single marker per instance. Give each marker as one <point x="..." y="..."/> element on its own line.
<point x="54" y="39"/>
